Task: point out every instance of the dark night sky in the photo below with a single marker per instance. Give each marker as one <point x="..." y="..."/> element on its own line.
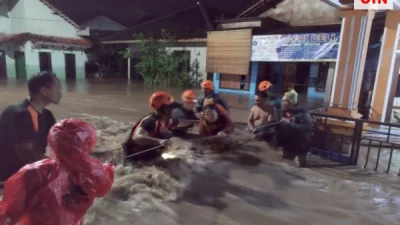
<point x="132" y="12"/>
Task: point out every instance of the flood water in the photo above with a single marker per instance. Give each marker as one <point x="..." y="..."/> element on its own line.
<point x="249" y="185"/>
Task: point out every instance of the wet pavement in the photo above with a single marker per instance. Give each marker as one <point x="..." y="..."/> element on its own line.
<point x="256" y="187"/>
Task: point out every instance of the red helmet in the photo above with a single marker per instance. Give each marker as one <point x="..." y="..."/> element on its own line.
<point x="264" y="85"/>
<point x="159" y="99"/>
<point x="189" y="96"/>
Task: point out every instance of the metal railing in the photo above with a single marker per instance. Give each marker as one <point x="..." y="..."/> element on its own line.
<point x="349" y="140"/>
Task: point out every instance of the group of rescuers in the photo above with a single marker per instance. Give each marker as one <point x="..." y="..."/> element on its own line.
<point x="24" y="127"/>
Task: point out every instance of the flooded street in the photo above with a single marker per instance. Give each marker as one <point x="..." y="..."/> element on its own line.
<point x="249" y="186"/>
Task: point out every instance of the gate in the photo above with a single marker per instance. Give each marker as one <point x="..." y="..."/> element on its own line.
<point x="357" y="142"/>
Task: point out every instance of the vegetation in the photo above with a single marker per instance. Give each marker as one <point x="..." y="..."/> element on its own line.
<point x="159" y="65"/>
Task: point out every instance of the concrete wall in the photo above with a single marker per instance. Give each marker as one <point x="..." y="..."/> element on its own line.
<point x="329" y="83"/>
<point x="34" y="17"/>
<point x="57" y="61"/>
<point x="32" y="60"/>
<point x="4" y="17"/>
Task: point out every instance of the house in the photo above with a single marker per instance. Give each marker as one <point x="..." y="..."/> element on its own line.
<point x="102" y="26"/>
<point x="189" y="27"/>
<point x="36" y="36"/>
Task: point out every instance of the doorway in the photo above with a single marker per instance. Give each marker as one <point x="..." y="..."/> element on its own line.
<point x="301" y="81"/>
<point x="3" y="65"/>
<point x="45" y="61"/>
<point x="70" y="67"/>
<point x="20" y="65"/>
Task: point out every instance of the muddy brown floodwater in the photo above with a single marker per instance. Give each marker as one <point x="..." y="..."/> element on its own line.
<point x="249" y="185"/>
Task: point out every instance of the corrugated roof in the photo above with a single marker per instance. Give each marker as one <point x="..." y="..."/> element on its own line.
<point x="44" y="39"/>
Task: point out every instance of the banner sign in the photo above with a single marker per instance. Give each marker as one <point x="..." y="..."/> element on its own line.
<point x="314" y="47"/>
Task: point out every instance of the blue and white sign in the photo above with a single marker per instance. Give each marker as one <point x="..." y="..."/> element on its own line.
<point x="313" y="47"/>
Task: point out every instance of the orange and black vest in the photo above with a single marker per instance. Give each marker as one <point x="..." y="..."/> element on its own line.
<point x="128" y="144"/>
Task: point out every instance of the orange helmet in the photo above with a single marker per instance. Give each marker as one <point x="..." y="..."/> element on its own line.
<point x="189" y="96"/>
<point x="264" y="85"/>
<point x="159" y="99"/>
<point x="207" y="84"/>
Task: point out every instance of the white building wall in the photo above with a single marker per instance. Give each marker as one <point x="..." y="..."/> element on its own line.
<point x="34" y="17"/>
<point x="4" y="18"/>
<point x="57" y="61"/>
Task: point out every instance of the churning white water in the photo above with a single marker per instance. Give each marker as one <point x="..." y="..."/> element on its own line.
<point x="248" y="185"/>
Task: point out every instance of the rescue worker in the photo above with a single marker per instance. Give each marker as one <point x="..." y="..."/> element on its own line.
<point x="210" y="97"/>
<point x="273" y="99"/>
<point x="24" y="127"/>
<point x="295" y="132"/>
<point x="153" y="130"/>
<point x="58" y="190"/>
<point x="262" y="114"/>
<point x="184" y="110"/>
<point x="216" y="122"/>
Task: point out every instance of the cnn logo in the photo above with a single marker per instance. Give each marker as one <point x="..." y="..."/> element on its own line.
<point x="373" y="4"/>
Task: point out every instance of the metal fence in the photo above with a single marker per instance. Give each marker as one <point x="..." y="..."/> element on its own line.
<point x="357" y="142"/>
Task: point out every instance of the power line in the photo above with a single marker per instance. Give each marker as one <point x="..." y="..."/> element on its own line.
<point x="22" y="18"/>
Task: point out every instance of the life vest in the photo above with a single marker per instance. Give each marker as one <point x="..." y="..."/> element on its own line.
<point x="128" y="144"/>
<point x="220" y="124"/>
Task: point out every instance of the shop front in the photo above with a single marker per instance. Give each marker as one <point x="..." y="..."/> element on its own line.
<point x="305" y="61"/>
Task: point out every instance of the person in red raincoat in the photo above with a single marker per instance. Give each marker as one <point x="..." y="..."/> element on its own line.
<point x="58" y="190"/>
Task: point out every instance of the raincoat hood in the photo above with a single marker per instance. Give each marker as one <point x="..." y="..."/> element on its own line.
<point x="71" y="137"/>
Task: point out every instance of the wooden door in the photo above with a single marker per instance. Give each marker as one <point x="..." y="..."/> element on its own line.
<point x="3" y="65"/>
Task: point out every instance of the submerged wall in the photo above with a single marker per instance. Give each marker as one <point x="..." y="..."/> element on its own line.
<point x="32" y="60"/>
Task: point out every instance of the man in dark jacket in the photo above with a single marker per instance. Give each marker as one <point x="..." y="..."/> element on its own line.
<point x="295" y="132"/>
<point x="184" y="111"/>
<point x="210" y="97"/>
<point x="24" y="127"/>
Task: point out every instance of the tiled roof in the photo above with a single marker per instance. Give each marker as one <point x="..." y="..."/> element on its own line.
<point x="44" y="39"/>
<point x="190" y="23"/>
<point x="60" y="13"/>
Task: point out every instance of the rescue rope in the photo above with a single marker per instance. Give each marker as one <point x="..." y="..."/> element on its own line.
<point x="147" y="150"/>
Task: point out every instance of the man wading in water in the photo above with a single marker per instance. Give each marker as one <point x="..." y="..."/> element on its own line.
<point x="153" y="130"/>
<point x="262" y="114"/>
<point x="184" y="111"/>
<point x="24" y="127"/>
<point x="272" y="99"/>
<point x="295" y="132"/>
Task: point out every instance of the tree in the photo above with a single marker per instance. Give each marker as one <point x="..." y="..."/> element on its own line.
<point x="160" y="66"/>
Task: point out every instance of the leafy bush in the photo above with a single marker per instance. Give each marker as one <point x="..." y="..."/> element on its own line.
<point x="159" y="66"/>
